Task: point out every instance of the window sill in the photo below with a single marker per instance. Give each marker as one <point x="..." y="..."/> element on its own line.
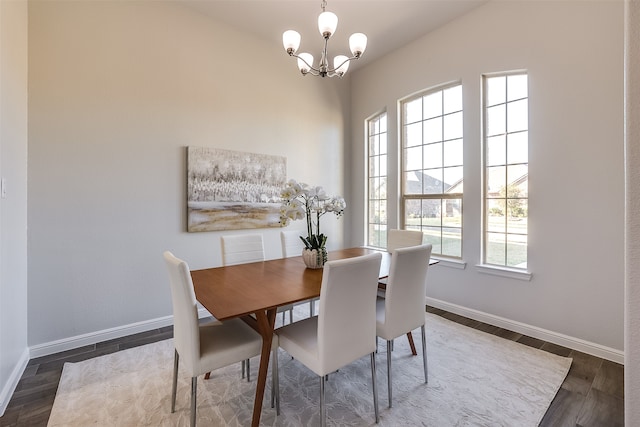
<point x="511" y="273"/>
<point x="445" y="262"/>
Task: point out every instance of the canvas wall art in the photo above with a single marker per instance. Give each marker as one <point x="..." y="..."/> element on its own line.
<point x="231" y="190"/>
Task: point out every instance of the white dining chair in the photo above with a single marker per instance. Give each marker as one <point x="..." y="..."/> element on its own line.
<point x="344" y="329"/>
<point x="397" y="238"/>
<point x="403" y="238"/>
<point x="204" y="348"/>
<point x="292" y="245"/>
<point x="243" y="249"/>
<point x="403" y="308"/>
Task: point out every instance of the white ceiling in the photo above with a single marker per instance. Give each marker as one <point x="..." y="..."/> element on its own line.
<point x="388" y="24"/>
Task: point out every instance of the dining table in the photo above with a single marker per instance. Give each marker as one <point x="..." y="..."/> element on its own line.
<point x="254" y="291"/>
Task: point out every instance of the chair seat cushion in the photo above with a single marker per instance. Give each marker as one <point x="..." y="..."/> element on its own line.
<point x="225" y="343"/>
<point x="300" y="340"/>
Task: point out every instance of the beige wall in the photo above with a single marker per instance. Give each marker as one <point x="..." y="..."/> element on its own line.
<point x="573" y="52"/>
<point x="117" y="90"/>
<point x="14" y="353"/>
<point x="632" y="163"/>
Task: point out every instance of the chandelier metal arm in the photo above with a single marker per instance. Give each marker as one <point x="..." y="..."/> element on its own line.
<point x="323" y="70"/>
<point x="326" y="72"/>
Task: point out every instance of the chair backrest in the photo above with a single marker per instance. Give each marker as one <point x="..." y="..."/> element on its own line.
<point x="292" y="245"/>
<point x="186" y="332"/>
<point x="242" y="248"/>
<point x="347" y="315"/>
<point x="403" y="238"/>
<point x="406" y="289"/>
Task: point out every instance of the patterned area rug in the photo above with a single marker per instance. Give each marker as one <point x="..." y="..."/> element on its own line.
<point x="475" y="379"/>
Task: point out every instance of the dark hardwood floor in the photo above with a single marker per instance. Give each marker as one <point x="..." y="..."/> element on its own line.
<point x="592" y="395"/>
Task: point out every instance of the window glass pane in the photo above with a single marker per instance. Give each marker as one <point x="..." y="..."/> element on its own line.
<point x="382" y="190"/>
<point x="453" y="99"/>
<point x="433" y="105"/>
<point x="516" y="251"/>
<point x="496" y="220"/>
<point x="518" y="147"/>
<point x="383" y="144"/>
<point x="452" y="209"/>
<point x="373" y="166"/>
<point x="433" y="183"/>
<point x="412" y="213"/>
<point x="413" y="158"/>
<point x="413" y="135"/>
<point x="373" y="145"/>
<point x="495" y="248"/>
<point x="517" y="212"/>
<point x="496" y="181"/>
<point x="453" y="126"/>
<point x="517" y="87"/>
<point x="453" y="153"/>
<point x="453" y="179"/>
<point x="433" y="130"/>
<point x="383" y="123"/>
<point x="496" y="120"/>
<point x="496" y="90"/>
<point x="451" y="241"/>
<point x="517" y="116"/>
<point x="374" y="237"/>
<point x="496" y="151"/>
<point x="374" y="207"/>
<point x="383" y="165"/>
<point x="412" y="185"/>
<point x="413" y="111"/>
<point x="374" y="188"/>
<point x="431" y="209"/>
<point x="433" y="155"/>
<point x="517" y="177"/>
<point x="433" y="235"/>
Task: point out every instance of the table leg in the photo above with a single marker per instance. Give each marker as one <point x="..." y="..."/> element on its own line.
<point x="266" y="322"/>
<point x="411" y="344"/>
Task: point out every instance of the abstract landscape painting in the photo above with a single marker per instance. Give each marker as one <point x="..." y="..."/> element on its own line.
<point x="231" y="190"/>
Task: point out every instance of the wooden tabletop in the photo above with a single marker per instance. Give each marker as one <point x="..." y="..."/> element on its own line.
<point x="238" y="290"/>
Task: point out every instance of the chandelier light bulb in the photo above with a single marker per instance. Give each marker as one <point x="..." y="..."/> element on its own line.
<point x="327" y="24"/>
<point x="305" y="62"/>
<point x="357" y="43"/>
<point x="291" y="41"/>
<point x="341" y="64"/>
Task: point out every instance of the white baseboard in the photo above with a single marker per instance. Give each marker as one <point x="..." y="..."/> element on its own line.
<point x="104" y="335"/>
<point x="12" y="382"/>
<point x="532" y="331"/>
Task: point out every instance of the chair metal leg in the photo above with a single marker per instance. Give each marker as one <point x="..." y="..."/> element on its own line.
<point x="374" y="386"/>
<point x="283" y="318"/>
<point x="389" y="380"/>
<point x="175" y="381"/>
<point x="291" y="316"/>
<point x="312" y="309"/>
<point x="248" y="370"/>
<point x="275" y="381"/>
<point x="194" y="392"/>
<point x="244" y="367"/>
<point x="424" y="354"/>
<point x="323" y="409"/>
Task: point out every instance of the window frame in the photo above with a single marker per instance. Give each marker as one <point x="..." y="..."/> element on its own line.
<point x="368" y="156"/>
<point x="485" y="266"/>
<point x="404" y="196"/>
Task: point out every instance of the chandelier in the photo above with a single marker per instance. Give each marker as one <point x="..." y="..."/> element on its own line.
<point x="327" y="23"/>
